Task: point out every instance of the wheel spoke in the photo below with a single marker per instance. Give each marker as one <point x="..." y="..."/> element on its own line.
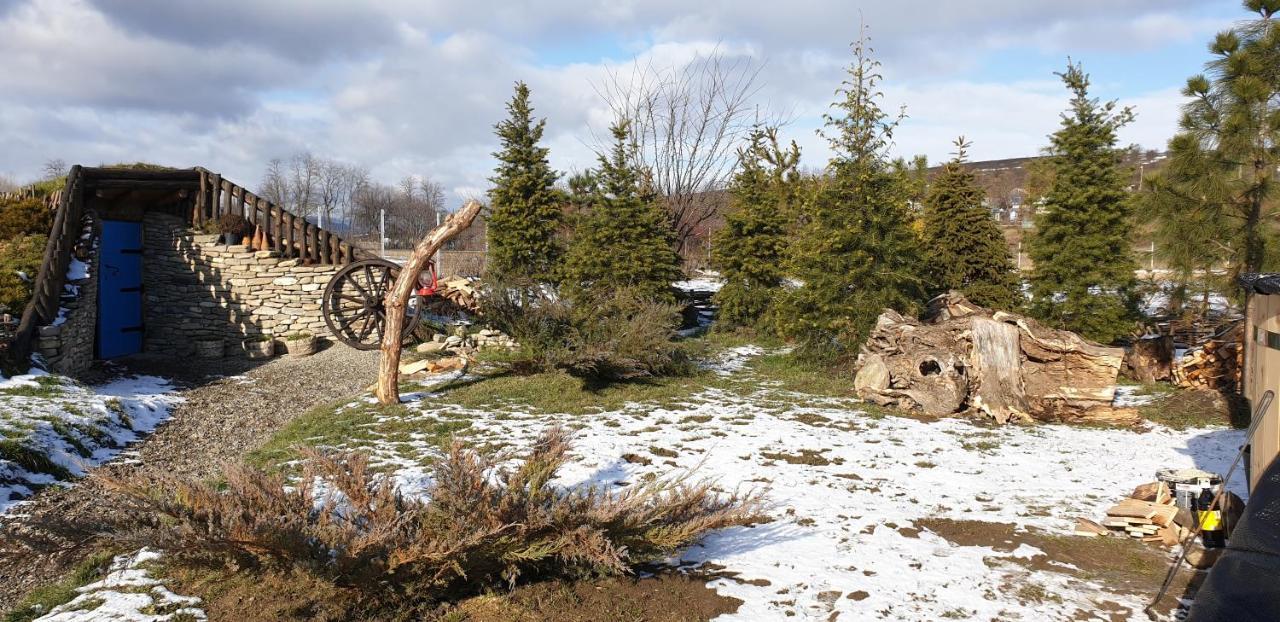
<point x="351" y="320"/>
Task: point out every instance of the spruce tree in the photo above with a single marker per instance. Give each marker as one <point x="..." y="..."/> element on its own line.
<point x="525" y="206"/>
<point x="1210" y="204"/>
<point x="750" y="248"/>
<point x="856" y="254"/>
<point x="622" y="238"/>
<point x="967" y="250"/>
<point x="1083" y="278"/>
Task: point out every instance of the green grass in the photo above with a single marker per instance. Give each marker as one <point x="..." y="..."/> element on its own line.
<point x="41" y="600"/>
<point x="1181" y="409"/>
<point x="343" y="422"/>
<point x="558" y="392"/>
<point x="31" y="459"/>
<point x="46" y="386"/>
<point x="787" y="373"/>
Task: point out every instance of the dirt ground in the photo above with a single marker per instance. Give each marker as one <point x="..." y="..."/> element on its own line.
<point x="231" y="406"/>
<point x="1124" y="565"/>
<point x="670" y="597"/>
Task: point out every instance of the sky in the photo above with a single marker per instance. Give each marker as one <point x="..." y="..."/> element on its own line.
<point x="414" y="87"/>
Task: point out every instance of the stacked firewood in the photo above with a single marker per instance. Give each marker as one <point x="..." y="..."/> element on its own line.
<point x="1148" y="514"/>
<point x="1215" y="364"/>
<point x="460" y="291"/>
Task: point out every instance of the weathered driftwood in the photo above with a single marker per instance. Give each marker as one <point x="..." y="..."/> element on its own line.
<point x="388" y="391"/>
<point x="1007" y="367"/>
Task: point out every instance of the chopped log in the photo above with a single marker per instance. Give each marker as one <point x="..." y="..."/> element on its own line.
<point x="1156" y="492"/>
<point x="996" y="361"/>
<point x="1150" y="359"/>
<point x="1002" y="365"/>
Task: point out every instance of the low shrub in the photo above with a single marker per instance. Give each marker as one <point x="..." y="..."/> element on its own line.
<point x="24" y="217"/>
<point x="479" y="526"/>
<point x="234" y="224"/>
<point x="20" y="260"/>
<point x="621" y="336"/>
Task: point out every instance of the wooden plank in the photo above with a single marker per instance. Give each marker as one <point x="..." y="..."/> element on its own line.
<point x="1133" y="508"/>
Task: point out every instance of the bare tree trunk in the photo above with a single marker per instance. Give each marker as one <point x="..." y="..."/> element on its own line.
<point x="398" y="298"/>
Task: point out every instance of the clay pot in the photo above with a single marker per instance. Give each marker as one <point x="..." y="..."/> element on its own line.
<point x="259" y="349"/>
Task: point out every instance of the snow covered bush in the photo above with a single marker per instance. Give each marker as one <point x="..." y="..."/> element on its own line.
<point x="477" y="526"/>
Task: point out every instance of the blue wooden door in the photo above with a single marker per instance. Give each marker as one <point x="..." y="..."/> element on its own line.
<point x="120" y="289"/>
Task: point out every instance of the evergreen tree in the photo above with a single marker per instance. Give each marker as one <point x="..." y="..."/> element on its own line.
<point x="525" y="206"/>
<point x="856" y="253"/>
<point x="967" y="250"/>
<point x="1211" y="203"/>
<point x="750" y="248"/>
<point x="1083" y="278"/>
<point x="623" y="238"/>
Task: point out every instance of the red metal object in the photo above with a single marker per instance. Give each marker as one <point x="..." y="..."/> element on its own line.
<point x="426" y="288"/>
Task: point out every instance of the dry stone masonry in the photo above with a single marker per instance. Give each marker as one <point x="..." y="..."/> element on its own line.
<point x="67" y="345"/>
<point x="196" y="289"/>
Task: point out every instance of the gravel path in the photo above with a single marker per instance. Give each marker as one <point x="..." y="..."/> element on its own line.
<point x="230" y="408"/>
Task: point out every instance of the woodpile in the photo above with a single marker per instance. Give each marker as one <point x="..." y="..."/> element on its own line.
<point x="1148" y="514"/>
<point x="1216" y="364"/>
<point x="964" y="358"/>
<point x="459" y="291"/>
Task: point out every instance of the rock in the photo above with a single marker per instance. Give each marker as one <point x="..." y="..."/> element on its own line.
<point x="439" y="337"/>
<point x="431" y="347"/>
<point x="415" y="367"/>
<point x="453" y="341"/>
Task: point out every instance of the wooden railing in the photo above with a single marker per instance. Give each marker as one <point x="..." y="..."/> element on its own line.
<point x="291" y="236"/>
<point x="47" y="290"/>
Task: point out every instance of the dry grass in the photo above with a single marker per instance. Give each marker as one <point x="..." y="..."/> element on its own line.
<point x="479" y="526"/>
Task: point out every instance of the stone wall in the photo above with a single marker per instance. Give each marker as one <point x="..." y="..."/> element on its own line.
<point x="198" y="289"/>
<point x="67" y="345"/>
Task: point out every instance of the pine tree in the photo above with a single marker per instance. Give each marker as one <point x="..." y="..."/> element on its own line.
<point x="856" y="254"/>
<point x="1210" y="204"/>
<point x="750" y="248"/>
<point x="525" y="206"/>
<point x="967" y="250"/>
<point x="1083" y="278"/>
<point x="623" y="239"/>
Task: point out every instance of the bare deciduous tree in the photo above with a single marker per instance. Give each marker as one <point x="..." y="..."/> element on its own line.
<point x="54" y="168"/>
<point x="687" y="123"/>
<point x="7" y="184"/>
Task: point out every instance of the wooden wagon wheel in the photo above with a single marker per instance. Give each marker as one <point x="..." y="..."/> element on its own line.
<point x="353" y="304"/>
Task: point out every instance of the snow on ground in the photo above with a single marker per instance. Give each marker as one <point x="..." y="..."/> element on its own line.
<point x="128" y="592"/>
<point x="52" y="428"/>
<point x="848" y="485"/>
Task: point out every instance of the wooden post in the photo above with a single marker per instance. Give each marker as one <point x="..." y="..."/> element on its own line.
<point x="197" y="215"/>
<point x="388" y="391"/>
<point x="291" y="248"/>
<point x="313" y="241"/>
<point x="323" y="244"/>
<point x="278" y="219"/>
<point x="215" y="190"/>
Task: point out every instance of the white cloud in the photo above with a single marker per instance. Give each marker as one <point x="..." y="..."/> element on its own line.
<point x="414" y="87"/>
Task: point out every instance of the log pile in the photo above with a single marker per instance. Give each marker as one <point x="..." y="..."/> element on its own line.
<point x="1148" y="514"/>
<point x="964" y="358"/>
<point x="459" y="291"/>
<point x="1216" y="364"/>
